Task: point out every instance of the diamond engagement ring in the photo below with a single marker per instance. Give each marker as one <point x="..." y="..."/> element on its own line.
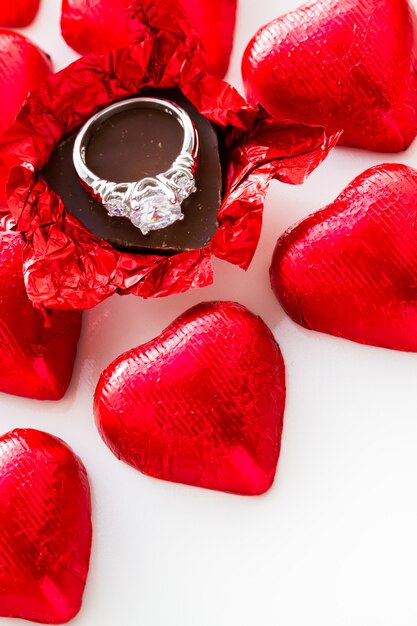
<point x="151" y="203"/>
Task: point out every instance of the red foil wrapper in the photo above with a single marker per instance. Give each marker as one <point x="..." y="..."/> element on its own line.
<point x="23" y="65"/>
<point x="64" y="264"/>
<point x="45" y="528"/>
<point x="201" y="404"/>
<point x="350" y="269"/>
<point x="18" y="13"/>
<point x="346" y="65"/>
<point x="214" y="23"/>
<point x="97" y="26"/>
<point x="38" y="347"/>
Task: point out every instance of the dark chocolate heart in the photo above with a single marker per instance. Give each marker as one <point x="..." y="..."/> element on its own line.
<point x="37" y="348"/>
<point x="119" y="152"/>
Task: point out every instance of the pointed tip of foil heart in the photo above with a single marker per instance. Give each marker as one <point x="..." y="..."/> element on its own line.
<point x="45" y="528"/>
<point x="201" y="404"/>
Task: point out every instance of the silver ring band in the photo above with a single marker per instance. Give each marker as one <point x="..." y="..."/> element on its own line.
<point x="151" y="203"/>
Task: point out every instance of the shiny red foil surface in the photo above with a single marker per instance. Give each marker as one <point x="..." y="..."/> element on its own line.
<point x="18" y="13"/>
<point x="45" y="528"/>
<point x="201" y="404"/>
<point x="97" y="26"/>
<point x="350" y="269"/>
<point x="344" y="64"/>
<point x="38" y="348"/>
<point x="214" y="22"/>
<point x="64" y="264"/>
<point x="22" y="66"/>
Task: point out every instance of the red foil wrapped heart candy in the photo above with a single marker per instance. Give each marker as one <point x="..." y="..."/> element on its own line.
<point x="344" y="64"/>
<point x="201" y="404"/>
<point x="18" y="13"/>
<point x="38" y="347"/>
<point x="23" y="65"/>
<point x="45" y="528"/>
<point x="350" y="269"/>
<point x="97" y="26"/>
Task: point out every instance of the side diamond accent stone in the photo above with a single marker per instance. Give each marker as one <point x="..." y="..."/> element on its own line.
<point x="186" y="186"/>
<point x="114" y="208"/>
<point x="115" y="202"/>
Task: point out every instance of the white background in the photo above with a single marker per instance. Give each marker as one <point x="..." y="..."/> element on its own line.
<point x="334" y="542"/>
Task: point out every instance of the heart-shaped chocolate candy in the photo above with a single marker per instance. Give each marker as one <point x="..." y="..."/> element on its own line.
<point x="45" y="528"/>
<point x="351" y="269"/>
<point x="343" y="64"/>
<point x="201" y="404"/>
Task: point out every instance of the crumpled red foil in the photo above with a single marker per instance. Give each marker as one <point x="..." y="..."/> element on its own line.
<point x="344" y="64"/>
<point x="350" y="269"/>
<point x="38" y="348"/>
<point x="201" y="404"/>
<point x="64" y="264"/>
<point x="18" y="13"/>
<point x="97" y="26"/>
<point x="22" y="66"/>
<point x="45" y="528"/>
<point x="214" y="23"/>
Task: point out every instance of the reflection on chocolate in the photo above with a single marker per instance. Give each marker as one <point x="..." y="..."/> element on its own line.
<point x="134" y="144"/>
<point x="130" y="146"/>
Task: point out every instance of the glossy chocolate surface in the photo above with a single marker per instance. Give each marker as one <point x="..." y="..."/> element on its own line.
<point x="130" y="146"/>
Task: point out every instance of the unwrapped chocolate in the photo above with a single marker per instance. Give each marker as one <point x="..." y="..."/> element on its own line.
<point x="65" y="265"/>
<point x="200" y="404"/>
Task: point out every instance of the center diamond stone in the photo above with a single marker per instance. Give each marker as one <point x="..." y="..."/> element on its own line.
<point x="155" y="211"/>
